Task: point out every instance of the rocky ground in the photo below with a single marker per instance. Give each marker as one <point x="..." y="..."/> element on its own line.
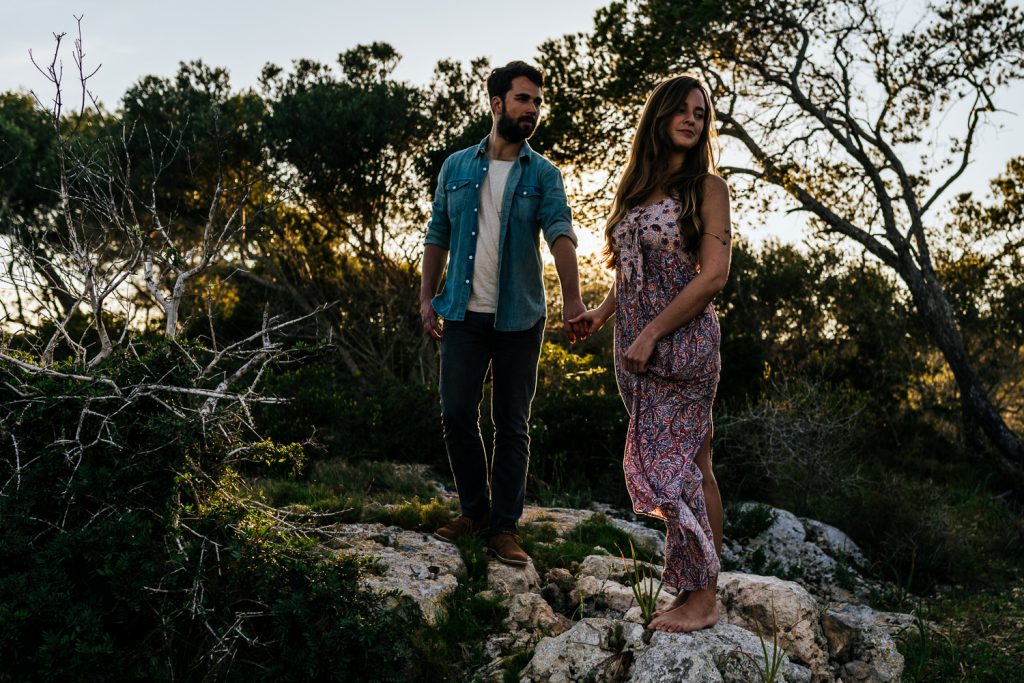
<point x="795" y="582"/>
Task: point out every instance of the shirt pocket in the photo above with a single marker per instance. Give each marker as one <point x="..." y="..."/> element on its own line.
<point x="526" y="203"/>
<point x="459" y="195"/>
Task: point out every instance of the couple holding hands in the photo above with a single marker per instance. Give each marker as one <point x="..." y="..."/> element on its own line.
<point x="669" y="240"/>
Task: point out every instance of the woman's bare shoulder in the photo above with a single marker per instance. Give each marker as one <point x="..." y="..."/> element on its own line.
<point x="715" y="186"/>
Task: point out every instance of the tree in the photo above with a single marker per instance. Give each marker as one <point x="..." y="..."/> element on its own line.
<point x="831" y="105"/>
<point x="357" y="154"/>
<point x="980" y="262"/>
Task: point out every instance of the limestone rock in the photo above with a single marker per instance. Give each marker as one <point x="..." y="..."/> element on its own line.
<point x="634" y="615"/>
<point x="857" y="633"/>
<point x="833" y="541"/>
<point x="798" y="674"/>
<point x="593" y="648"/>
<point x="773" y="605"/>
<point x="603" y="595"/>
<point x="558" y="585"/>
<point x="804" y="551"/>
<point x="860" y="672"/>
<point x="607" y="567"/>
<point x="417" y="565"/>
<point x="562" y="578"/>
<point x="531" y="611"/>
<point x="510" y="580"/>
<point x="562" y="519"/>
<point x="602" y="650"/>
<point x="722" y="653"/>
<point x="651" y="540"/>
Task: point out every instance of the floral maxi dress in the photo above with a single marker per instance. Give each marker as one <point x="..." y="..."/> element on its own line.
<point x="670" y="403"/>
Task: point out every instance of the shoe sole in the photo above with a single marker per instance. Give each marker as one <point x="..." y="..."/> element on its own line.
<point x="507" y="560"/>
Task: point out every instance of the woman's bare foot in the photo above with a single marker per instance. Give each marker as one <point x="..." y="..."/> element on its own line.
<point x="699" y="611"/>
<point x="678" y="602"/>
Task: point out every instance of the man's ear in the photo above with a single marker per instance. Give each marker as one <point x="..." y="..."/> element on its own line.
<point x="497" y="105"/>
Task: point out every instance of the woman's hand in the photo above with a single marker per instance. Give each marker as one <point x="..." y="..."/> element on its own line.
<point x="639" y="352"/>
<point x="590" y="321"/>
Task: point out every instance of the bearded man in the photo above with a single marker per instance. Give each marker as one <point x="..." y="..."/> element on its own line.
<point x="492" y="202"/>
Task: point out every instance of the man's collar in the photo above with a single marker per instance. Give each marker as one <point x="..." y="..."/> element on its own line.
<point x="525" y="152"/>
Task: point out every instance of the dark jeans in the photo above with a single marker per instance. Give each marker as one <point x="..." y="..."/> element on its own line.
<point x="468" y="348"/>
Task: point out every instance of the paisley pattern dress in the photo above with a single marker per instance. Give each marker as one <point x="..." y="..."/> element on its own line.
<point x="670" y="404"/>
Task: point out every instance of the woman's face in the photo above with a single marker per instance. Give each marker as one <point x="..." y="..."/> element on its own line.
<point x="686" y="125"/>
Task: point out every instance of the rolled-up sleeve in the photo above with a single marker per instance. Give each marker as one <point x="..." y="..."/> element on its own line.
<point x="555" y="214"/>
<point x="439" y="229"/>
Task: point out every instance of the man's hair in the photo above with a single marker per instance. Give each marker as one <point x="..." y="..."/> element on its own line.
<point x="500" y="80"/>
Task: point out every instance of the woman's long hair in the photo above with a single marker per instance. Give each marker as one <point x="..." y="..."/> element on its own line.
<point x="648" y="169"/>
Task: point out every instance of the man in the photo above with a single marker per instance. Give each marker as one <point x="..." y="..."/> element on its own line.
<point x="492" y="202"/>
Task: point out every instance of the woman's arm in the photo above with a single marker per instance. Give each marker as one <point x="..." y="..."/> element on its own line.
<point x="713" y="254"/>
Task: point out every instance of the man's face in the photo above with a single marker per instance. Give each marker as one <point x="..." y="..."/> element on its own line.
<point x="519" y="113"/>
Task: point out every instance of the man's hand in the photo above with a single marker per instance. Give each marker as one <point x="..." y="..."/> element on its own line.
<point x="575" y="329"/>
<point x="592" y="321"/>
<point x="431" y="325"/>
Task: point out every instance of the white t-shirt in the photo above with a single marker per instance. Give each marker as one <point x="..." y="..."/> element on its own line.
<point x="483" y="297"/>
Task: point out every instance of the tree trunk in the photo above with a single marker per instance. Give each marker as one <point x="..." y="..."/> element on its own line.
<point x="938" y="317"/>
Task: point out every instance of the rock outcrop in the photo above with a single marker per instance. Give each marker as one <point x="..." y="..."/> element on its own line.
<point x="582" y="622"/>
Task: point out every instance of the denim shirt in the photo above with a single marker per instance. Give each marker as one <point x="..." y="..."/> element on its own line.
<point x="534" y="202"/>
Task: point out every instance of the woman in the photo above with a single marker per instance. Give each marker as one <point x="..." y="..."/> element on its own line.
<point x="669" y="238"/>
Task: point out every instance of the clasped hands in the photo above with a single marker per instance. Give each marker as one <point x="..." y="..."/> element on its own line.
<point x="638" y="354"/>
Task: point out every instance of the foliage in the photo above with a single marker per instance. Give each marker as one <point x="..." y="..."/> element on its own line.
<point x="642" y="583"/>
<point x="747" y="521"/>
<point x="578" y="424"/>
<point x="975" y="637"/>
<point x="798" y="443"/>
<point x="773" y="654"/>
<point x="343" y="490"/>
<point x="454" y="645"/>
<point x="337" y="412"/>
<point x="594" y="535"/>
<point x="826" y="102"/>
<point x="129" y="550"/>
<point x="416" y="515"/>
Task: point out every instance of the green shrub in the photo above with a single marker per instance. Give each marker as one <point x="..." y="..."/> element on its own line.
<point x="577" y="427"/>
<point x="383" y="419"/>
<point x="129" y="550"/>
<point x="798" y="446"/>
<point x="746" y="521"/>
<point x="342" y="484"/>
<point x="414" y="514"/>
<point x="592" y="536"/>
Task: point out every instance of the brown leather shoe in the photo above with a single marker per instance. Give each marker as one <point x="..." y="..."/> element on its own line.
<point x="506" y="547"/>
<point x="461" y="526"/>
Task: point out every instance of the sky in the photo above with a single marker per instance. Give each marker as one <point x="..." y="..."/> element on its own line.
<point x="131" y="39"/>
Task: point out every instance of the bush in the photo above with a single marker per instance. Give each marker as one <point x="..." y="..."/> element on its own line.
<point x="797" y="447"/>
<point x="577" y="427"/>
<point x="591" y="536"/>
<point x="130" y="552"/>
<point x="385" y="419"/>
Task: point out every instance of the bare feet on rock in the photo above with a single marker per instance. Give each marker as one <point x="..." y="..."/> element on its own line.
<point x="679" y="601"/>
<point x="698" y="611"/>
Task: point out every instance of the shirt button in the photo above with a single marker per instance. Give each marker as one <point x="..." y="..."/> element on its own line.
<point x="470" y="257"/>
<point x="474" y="210"/>
<point x="478" y="184"/>
<point x="524" y="191"/>
<point x="467" y="282"/>
<point x="474" y="234"/>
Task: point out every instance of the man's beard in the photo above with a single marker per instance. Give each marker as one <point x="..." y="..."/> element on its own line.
<point x="515" y="130"/>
